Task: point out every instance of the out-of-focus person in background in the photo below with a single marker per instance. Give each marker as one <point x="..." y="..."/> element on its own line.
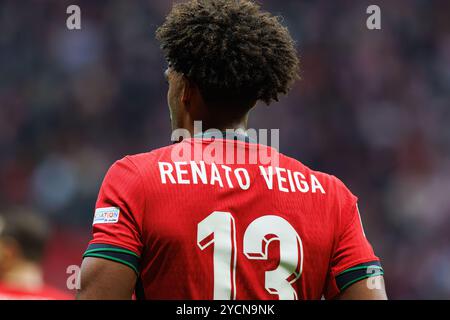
<point x="23" y="238"/>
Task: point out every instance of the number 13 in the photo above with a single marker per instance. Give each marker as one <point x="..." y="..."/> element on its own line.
<point x="219" y="228"/>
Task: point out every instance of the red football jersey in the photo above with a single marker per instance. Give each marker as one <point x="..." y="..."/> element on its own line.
<point x="205" y="228"/>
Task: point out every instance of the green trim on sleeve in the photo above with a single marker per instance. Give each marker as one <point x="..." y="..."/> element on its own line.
<point x="99" y="255"/>
<point x="112" y="250"/>
<point x="360" y="268"/>
<point x="357" y="273"/>
<point x="370" y="275"/>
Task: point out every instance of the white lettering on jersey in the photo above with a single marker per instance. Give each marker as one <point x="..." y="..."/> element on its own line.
<point x="284" y="180"/>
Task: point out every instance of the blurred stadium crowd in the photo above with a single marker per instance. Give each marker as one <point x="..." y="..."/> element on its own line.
<point x="373" y="108"/>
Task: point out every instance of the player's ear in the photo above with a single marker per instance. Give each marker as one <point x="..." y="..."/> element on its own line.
<point x="187" y="91"/>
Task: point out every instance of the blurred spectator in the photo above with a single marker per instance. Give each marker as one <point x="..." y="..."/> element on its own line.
<point x="23" y="237"/>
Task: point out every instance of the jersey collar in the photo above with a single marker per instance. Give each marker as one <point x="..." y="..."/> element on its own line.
<point x="237" y="136"/>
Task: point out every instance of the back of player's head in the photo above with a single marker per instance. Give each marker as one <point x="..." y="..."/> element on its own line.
<point x="231" y="49"/>
<point x="26" y="230"/>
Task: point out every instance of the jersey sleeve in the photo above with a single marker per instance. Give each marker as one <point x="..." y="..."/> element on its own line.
<point x="117" y="224"/>
<point x="353" y="257"/>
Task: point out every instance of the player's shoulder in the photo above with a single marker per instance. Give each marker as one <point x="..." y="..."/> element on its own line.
<point x="330" y="182"/>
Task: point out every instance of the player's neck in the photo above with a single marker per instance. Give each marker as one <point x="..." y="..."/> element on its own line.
<point x="216" y="123"/>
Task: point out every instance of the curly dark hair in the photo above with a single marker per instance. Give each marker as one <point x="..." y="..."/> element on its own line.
<point x="231" y="49"/>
